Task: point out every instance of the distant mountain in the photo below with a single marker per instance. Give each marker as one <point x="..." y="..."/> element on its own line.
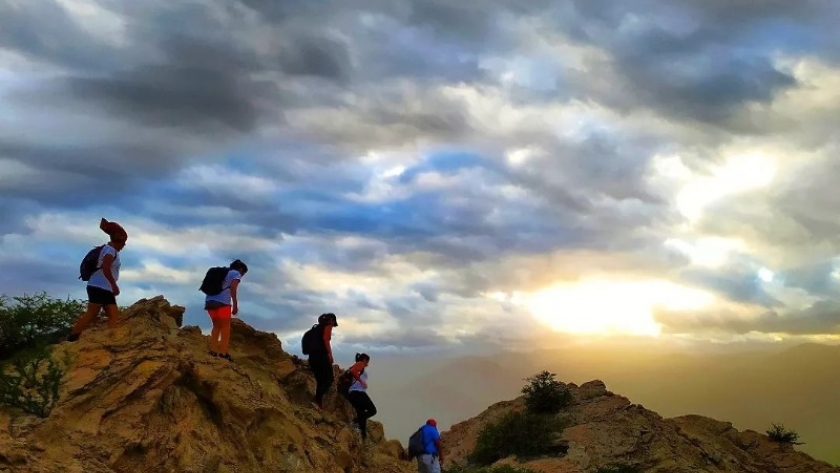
<point x="798" y="387"/>
<point x="605" y="429"/>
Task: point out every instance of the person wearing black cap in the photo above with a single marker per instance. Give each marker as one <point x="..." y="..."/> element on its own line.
<point x="320" y="354"/>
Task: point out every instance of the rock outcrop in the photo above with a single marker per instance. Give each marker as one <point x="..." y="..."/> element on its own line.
<point x="607" y="429"/>
<point x="147" y="397"/>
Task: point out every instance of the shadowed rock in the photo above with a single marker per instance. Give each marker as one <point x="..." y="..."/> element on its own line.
<point x="607" y="429"/>
<point x="147" y="397"/>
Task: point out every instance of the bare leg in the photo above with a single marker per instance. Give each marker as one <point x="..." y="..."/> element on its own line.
<point x="85" y="320"/>
<point x="225" y="330"/>
<point x="214" y="335"/>
<point x="113" y="313"/>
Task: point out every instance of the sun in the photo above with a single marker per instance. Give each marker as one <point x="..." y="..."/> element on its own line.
<point x="611" y="307"/>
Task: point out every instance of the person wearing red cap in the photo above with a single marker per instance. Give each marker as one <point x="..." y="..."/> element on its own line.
<point x="432" y="458"/>
<point x="102" y="287"/>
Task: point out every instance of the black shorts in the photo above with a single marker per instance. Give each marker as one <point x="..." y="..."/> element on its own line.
<point x="100" y="296"/>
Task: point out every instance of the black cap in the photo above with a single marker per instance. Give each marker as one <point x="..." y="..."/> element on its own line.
<point x="328" y="317"/>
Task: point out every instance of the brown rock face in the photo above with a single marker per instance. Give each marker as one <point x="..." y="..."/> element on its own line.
<point x="147" y="397"/>
<point x="606" y="429"/>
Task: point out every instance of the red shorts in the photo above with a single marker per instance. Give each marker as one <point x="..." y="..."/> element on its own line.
<point x="224" y="312"/>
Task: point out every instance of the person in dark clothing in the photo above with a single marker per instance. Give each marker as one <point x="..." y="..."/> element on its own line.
<point x="358" y="396"/>
<point x="321" y="359"/>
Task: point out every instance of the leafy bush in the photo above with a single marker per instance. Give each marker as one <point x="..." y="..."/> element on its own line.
<point x="32" y="382"/>
<point x="33" y="320"/>
<point x="619" y="468"/>
<point x="779" y="434"/>
<point x="544" y="394"/>
<point x="523" y="434"/>
<point x="488" y="469"/>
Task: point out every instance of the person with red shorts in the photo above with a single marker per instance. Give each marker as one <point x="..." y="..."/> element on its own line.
<point x="221" y="307"/>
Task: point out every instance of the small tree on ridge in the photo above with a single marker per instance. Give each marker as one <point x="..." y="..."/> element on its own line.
<point x="544" y="394"/>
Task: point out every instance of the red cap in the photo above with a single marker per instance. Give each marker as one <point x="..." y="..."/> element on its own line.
<point x="432" y="422"/>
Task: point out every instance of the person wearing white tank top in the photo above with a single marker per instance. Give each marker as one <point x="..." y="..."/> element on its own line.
<point x="358" y="396"/>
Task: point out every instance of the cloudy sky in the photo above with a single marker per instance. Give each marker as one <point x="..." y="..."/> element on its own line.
<point x="438" y="174"/>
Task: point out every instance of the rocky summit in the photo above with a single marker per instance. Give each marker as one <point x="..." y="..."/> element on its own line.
<point x="605" y="430"/>
<point x="147" y="397"/>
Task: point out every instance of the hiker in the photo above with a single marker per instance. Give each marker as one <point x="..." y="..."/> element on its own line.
<point x="430" y="458"/>
<point x="221" y="285"/>
<point x="316" y="344"/>
<point x="358" y="396"/>
<point x="101" y="269"/>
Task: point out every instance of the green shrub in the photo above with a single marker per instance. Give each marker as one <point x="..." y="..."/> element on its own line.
<point x="619" y="468"/>
<point x="523" y="434"/>
<point x="33" y="320"/>
<point x="32" y="382"/>
<point x="779" y="434"/>
<point x="488" y="469"/>
<point x="544" y="394"/>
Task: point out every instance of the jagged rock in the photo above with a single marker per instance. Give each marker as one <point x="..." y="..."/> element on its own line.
<point x="147" y="397"/>
<point x="607" y="428"/>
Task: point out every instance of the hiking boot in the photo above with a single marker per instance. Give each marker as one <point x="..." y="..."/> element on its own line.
<point x="227" y="357"/>
<point x="213" y="354"/>
<point x="72" y="337"/>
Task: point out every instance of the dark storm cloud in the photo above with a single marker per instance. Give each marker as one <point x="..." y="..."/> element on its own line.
<point x="299" y="92"/>
<point x="738" y="285"/>
<point x="210" y="94"/>
<point x="63" y="42"/>
<point x="815" y="278"/>
<point x="687" y="60"/>
<point x="318" y="56"/>
<point x="823" y="317"/>
<point x="409" y="337"/>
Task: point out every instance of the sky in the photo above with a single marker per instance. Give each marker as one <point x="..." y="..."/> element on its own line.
<point x="442" y="176"/>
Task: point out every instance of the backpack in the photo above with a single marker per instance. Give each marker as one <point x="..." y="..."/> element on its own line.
<point x="213" y="280"/>
<point x="312" y="342"/>
<point x="345" y="380"/>
<point x="90" y="263"/>
<point x="416" y="446"/>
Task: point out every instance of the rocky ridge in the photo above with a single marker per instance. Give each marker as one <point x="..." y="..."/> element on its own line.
<point x="607" y="429"/>
<point x="147" y="397"/>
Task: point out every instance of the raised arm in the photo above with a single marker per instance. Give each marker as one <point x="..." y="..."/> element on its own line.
<point x="356" y="371"/>
<point x="327" y="342"/>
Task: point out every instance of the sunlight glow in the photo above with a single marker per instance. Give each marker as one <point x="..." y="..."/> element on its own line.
<point x="740" y="173"/>
<point x="612" y="307"/>
<point x="711" y="252"/>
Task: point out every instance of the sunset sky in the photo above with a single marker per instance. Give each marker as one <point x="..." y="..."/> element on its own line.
<point x="441" y="175"/>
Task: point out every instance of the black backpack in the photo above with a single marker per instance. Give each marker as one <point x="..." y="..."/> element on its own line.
<point x="213" y="280"/>
<point x="90" y="263"/>
<point x="345" y="380"/>
<point x="312" y="342"/>
<point x="416" y="447"/>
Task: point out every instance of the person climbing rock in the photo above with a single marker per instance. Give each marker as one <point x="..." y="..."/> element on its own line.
<point x="317" y="345"/>
<point x="101" y="269"/>
<point x="358" y="396"/>
<point x="430" y="460"/>
<point x="221" y="284"/>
